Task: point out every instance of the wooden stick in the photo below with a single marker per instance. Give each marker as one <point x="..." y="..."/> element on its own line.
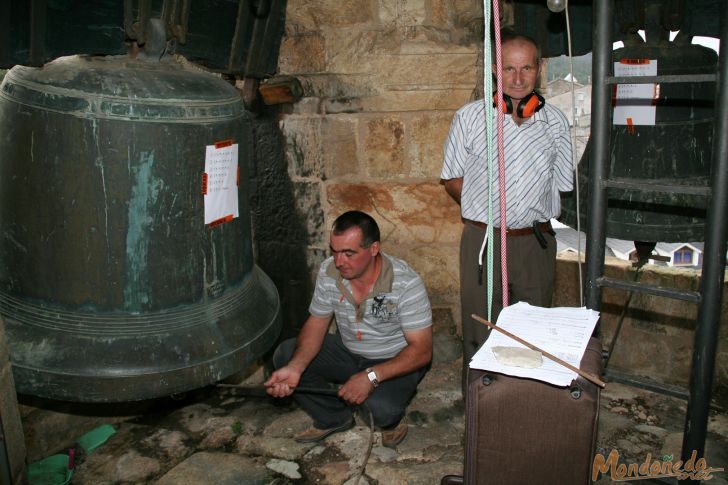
<point x="585" y="375"/>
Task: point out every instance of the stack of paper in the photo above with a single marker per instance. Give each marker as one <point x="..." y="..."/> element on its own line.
<point x="563" y="332"/>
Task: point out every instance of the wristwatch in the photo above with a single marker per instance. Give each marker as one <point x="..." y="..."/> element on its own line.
<point x="372" y="376"/>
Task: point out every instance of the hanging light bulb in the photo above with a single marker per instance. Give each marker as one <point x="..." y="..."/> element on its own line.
<point x="556" y="6"/>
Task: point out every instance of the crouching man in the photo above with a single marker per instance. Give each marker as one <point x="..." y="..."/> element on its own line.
<point x="383" y="345"/>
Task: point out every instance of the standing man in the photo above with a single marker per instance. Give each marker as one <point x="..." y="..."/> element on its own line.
<point x="383" y="344"/>
<point x="538" y="165"/>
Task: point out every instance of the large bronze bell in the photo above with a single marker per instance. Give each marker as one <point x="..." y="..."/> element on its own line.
<point x="676" y="150"/>
<point x="112" y="285"/>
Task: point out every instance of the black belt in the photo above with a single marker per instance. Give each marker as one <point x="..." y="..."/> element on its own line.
<point x="537" y="228"/>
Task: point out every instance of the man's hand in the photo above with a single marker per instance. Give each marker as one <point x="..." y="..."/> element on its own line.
<point x="357" y="389"/>
<point x="282" y="382"/>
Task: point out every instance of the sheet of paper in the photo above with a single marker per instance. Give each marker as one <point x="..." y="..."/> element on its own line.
<point x="221" y="195"/>
<point x="634" y="103"/>
<point x="563" y="332"/>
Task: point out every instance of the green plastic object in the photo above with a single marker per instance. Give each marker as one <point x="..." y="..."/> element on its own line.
<point x="52" y="470"/>
<point x="96" y="437"/>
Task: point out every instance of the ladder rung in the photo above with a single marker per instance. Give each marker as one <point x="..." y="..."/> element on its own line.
<point x="665" y="78"/>
<point x="685" y="295"/>
<point x="646" y="186"/>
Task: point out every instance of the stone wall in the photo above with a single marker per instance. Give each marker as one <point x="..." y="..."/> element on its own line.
<point x="382" y="80"/>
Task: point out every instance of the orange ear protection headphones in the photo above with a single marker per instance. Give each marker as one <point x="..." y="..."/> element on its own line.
<point x="526" y="107"/>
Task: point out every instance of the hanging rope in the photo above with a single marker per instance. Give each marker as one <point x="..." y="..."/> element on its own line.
<point x="501" y="155"/>
<point x="574" y="162"/>
<point x="489" y="114"/>
<point x="489" y="111"/>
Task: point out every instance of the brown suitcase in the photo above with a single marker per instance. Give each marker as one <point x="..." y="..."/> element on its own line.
<point x="523" y="431"/>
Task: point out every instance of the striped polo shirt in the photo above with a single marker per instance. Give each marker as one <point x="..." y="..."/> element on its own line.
<point x="538" y="165"/>
<point x="397" y="303"/>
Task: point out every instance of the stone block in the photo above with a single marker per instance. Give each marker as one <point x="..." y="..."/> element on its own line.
<point x="302" y="53"/>
<point x="135" y="468"/>
<point x="416" y="98"/>
<point x="424" y="69"/>
<point x="272" y="202"/>
<point x="645" y="353"/>
<point x="316" y="256"/>
<point x="438" y="267"/>
<point x="394" y="69"/>
<point x="342" y="105"/>
<point x="457" y="15"/>
<point x="307" y="197"/>
<point x="215" y="467"/>
<point x="566" y="280"/>
<point x="303" y="15"/>
<point x="340" y="86"/>
<point x="407" y="213"/>
<point x="413" y="55"/>
<point x="360" y="51"/>
<point x="303" y="145"/>
<point x="266" y="151"/>
<point x="353" y="52"/>
<point x="275" y="218"/>
<point x="396" y="13"/>
<point x="384" y="142"/>
<point x="402" y="472"/>
<point x="334" y="472"/>
<point x="443" y="320"/>
<point x="308" y="106"/>
<point x="427" y="134"/>
<point x="424" y="40"/>
<point x="339" y="146"/>
<point x="441" y="14"/>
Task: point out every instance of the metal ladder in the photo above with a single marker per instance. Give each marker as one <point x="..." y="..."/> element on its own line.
<point x="709" y="297"/>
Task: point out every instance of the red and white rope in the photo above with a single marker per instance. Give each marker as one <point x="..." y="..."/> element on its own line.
<point x="501" y="154"/>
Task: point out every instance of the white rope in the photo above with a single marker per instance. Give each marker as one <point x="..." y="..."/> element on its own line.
<point x="489" y="109"/>
<point x="574" y="161"/>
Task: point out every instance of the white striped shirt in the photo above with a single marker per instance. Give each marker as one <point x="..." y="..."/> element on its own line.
<point x="397" y="303"/>
<point x="537" y="165"/>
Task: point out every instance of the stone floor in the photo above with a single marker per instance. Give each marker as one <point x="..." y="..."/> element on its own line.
<point x="220" y="436"/>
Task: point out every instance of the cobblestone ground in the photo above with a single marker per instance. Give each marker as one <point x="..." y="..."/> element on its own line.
<point x="639" y="424"/>
<point x="219" y="436"/>
<point x="222" y="437"/>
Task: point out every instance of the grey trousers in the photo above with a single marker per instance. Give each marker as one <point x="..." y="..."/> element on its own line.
<point x="334" y="364"/>
<point x="530" y="278"/>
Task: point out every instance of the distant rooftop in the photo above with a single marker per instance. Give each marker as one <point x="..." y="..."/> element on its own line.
<point x="686" y="254"/>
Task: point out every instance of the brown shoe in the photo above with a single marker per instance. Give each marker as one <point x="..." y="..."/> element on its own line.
<point x="393" y="437"/>
<point x="312" y="435"/>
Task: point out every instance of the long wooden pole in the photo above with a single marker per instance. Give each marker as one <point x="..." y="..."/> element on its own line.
<point x="585" y="375"/>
